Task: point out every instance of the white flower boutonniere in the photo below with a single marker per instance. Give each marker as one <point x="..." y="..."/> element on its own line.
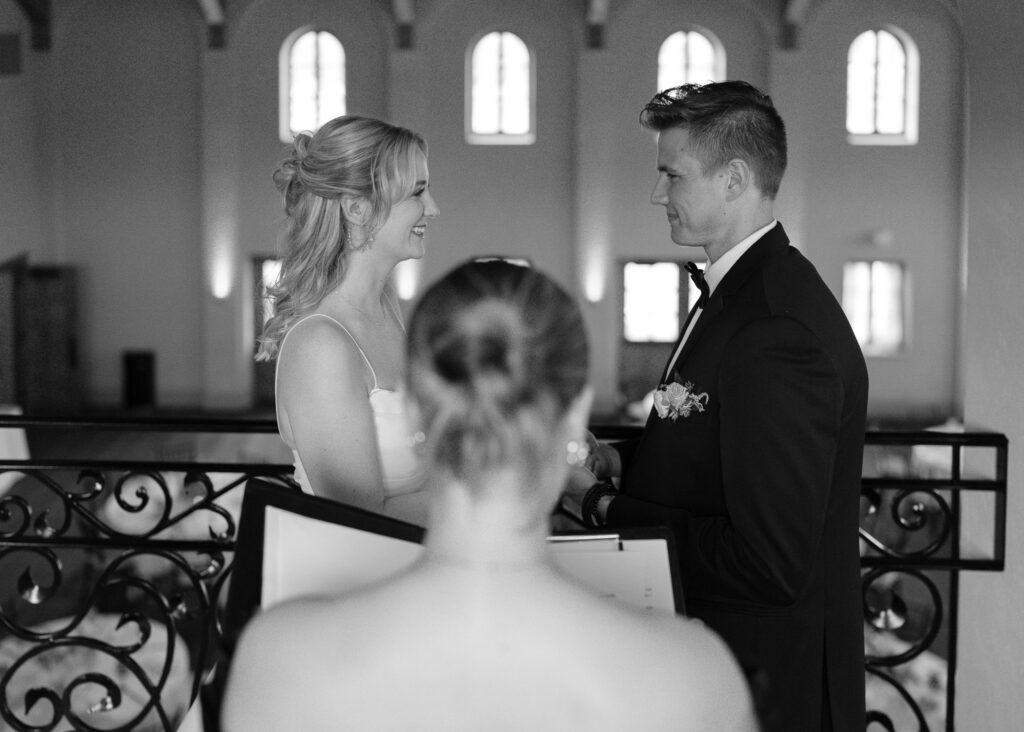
<point x="678" y="400"/>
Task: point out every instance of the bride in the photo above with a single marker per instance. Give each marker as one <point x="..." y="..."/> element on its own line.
<point x="357" y="203"/>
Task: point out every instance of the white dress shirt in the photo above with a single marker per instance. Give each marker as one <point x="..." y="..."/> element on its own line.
<point x="715" y="273"/>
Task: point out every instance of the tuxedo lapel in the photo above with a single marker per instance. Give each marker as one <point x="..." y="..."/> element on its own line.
<point x="713" y="308"/>
<point x="670" y="364"/>
<point x="752" y="261"/>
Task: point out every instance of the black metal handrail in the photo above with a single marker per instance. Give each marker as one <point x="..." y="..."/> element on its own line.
<point x="118" y="569"/>
<point x="181" y="423"/>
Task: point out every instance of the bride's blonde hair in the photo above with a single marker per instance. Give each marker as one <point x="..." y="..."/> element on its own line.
<point x="347" y="156"/>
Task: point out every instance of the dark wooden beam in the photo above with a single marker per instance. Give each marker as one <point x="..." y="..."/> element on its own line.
<point x="10" y="54"/>
<point x="405" y="36"/>
<point x="789" y="39"/>
<point x="794" y="15"/>
<point x="216" y="35"/>
<point x="404" y="12"/>
<point x="216" y="22"/>
<point x="597" y="18"/>
<point x="40" y="17"/>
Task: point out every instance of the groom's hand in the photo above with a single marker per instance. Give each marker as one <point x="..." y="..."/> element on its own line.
<point x="579" y="482"/>
<point x="602" y="460"/>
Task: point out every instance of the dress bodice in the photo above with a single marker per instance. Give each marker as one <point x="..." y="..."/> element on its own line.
<point x="401" y="468"/>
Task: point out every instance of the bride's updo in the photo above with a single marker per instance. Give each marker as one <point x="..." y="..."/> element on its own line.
<point x="497" y="353"/>
<point x="347" y="156"/>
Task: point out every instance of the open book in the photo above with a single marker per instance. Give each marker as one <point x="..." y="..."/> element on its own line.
<point x="293" y="545"/>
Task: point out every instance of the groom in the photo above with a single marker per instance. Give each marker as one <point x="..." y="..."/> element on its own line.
<point x="752" y="455"/>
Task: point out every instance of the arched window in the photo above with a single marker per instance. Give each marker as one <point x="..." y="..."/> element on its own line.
<point x="881" y="89"/>
<point x="500" y="91"/>
<point x="312" y="81"/>
<point x="874" y="299"/>
<point x="690" y="57"/>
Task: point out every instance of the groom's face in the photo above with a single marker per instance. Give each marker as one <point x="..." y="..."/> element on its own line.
<point x="693" y="201"/>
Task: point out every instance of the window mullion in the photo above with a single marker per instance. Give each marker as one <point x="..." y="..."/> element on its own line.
<point x="877" y="83"/>
<point x="501" y="83"/>
<point x="318" y="81"/>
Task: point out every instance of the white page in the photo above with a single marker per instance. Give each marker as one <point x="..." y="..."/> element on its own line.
<point x="637" y="574"/>
<point x="327" y="558"/>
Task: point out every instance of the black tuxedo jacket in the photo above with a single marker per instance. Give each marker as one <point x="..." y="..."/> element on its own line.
<point x="762" y="487"/>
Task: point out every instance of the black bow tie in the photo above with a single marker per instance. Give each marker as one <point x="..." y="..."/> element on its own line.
<point x="697" y="275"/>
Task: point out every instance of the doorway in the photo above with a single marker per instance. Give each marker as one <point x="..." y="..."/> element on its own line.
<point x="265" y="271"/>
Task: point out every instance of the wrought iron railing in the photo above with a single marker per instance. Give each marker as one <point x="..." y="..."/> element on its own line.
<point x="933" y="505"/>
<point x="113" y="573"/>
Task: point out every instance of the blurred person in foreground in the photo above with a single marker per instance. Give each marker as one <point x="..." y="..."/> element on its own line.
<point x="484" y="632"/>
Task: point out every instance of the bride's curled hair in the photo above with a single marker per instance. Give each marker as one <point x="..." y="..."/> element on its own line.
<point x="348" y="156"/>
<point x="497" y="353"/>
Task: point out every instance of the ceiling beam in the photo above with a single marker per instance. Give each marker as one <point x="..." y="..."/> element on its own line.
<point x="405" y="19"/>
<point x="597" y="18"/>
<point x="213" y="14"/>
<point x="794" y="15"/>
<point x="40" y="18"/>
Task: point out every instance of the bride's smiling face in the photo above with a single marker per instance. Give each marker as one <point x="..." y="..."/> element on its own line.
<point x="406" y="227"/>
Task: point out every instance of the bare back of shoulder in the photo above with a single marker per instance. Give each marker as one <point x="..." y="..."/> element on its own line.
<point x="560" y="659"/>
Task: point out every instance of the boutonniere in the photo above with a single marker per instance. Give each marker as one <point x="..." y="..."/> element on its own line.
<point x="676" y="400"/>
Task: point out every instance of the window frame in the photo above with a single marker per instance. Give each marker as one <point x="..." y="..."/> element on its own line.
<point x="285" y="132"/>
<point x="499" y="138"/>
<point x="688" y="294"/>
<point x="911" y="93"/>
<point x="718" y="50"/>
<point x="871" y="349"/>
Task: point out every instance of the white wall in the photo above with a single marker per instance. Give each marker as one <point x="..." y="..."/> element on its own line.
<point x="991" y="635"/>
<point x="126" y="187"/>
<point x="846" y="192"/>
<point x="498" y="199"/>
<point x="23" y="171"/>
<point x="152" y="155"/>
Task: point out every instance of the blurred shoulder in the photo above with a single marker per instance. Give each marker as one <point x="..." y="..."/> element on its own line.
<point x="688" y="672"/>
<point x="276" y="632"/>
<point x="265" y="688"/>
<point x="704" y="649"/>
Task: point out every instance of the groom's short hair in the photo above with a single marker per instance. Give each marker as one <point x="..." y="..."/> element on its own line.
<point x="726" y="120"/>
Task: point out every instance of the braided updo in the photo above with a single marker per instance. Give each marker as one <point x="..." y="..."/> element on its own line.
<point x="497" y="353"/>
<point x="347" y="156"/>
